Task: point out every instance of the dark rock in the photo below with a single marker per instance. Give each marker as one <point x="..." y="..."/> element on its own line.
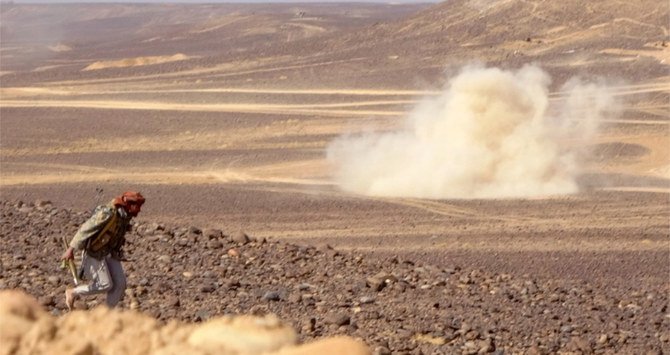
<point x="404" y="333"/>
<point x="54" y="280"/>
<point x="214" y="244"/>
<point x="578" y="344"/>
<point x="202" y="315"/>
<point x="338" y="319"/>
<point x="42" y="203"/>
<point x="271" y="296"/>
<point x="212" y="233"/>
<point x="381" y="350"/>
<point x="259" y="310"/>
<point x="232" y="284"/>
<point x="466" y="280"/>
<point x="308" y="324"/>
<point x="46" y="301"/>
<point x="486" y="346"/>
<point x="379" y="281"/>
<point x="207" y="288"/>
<point x="156" y="227"/>
<point x="566" y="329"/>
<point x="172" y="302"/>
<point x="240" y="238"/>
<point x="367" y="300"/>
<point x="304" y="287"/>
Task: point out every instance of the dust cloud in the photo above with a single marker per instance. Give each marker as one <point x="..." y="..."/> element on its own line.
<point x="492" y="133"/>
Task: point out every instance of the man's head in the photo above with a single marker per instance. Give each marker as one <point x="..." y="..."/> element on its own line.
<point x="131" y="202"/>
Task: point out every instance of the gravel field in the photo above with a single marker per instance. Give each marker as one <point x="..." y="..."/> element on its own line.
<point x="393" y="303"/>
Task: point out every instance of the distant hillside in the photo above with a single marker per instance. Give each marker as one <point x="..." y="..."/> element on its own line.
<point x="584" y="36"/>
<point x="349" y="45"/>
<point x="40" y="34"/>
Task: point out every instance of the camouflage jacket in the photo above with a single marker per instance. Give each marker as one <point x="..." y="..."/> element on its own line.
<point x="103" y="233"/>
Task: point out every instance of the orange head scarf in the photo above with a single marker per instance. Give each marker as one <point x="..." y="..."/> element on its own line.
<point x="128" y="197"/>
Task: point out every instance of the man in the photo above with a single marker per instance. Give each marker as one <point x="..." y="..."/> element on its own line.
<point x="101" y="238"/>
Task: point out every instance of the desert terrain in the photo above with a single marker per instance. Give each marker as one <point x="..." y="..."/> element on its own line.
<point x="225" y="116"/>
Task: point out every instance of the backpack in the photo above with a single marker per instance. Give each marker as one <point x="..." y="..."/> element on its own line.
<point x="106" y="234"/>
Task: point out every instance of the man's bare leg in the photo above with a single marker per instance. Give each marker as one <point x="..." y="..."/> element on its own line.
<point x="70" y="297"/>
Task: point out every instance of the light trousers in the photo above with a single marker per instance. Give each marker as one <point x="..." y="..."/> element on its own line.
<point x="104" y="276"/>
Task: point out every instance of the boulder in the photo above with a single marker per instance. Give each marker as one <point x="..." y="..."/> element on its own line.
<point x="243" y="334"/>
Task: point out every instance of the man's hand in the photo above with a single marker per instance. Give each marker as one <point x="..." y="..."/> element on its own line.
<point x="68" y="254"/>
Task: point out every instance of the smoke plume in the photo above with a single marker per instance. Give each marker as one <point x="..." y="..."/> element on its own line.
<point x="491" y="134"/>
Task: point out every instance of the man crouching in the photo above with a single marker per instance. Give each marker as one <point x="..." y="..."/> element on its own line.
<point x="101" y="238"/>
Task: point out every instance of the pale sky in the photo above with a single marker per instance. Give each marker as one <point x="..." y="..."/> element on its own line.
<point x="217" y="1"/>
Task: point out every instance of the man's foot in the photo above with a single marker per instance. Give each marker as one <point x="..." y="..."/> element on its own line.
<point x="70" y="296"/>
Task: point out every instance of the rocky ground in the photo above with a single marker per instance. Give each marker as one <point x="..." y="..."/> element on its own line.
<point x="395" y="304"/>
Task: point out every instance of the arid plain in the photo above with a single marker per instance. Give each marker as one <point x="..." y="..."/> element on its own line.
<point x="222" y="115"/>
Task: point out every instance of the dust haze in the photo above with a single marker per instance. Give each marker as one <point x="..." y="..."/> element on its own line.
<point x="492" y="133"/>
